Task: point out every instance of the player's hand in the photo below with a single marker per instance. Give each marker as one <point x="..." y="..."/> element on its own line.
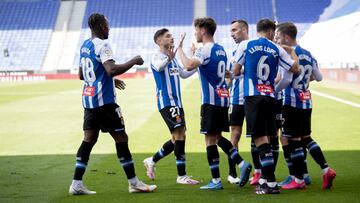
<point x="182" y="37"/>
<point x="138" y="60"/>
<point x="119" y="84"/>
<point x="237" y="68"/>
<point x="193" y="48"/>
<point x="227" y="74"/>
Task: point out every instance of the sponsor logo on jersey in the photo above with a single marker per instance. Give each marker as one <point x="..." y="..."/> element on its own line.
<point x="173" y="71"/>
<point x="267" y="89"/>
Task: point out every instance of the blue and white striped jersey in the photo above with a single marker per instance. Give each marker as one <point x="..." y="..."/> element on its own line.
<point x="166" y="74"/>
<point x="213" y="60"/>
<point x="279" y="95"/>
<point x="237" y="87"/>
<point x="98" y="85"/>
<point x="261" y="58"/>
<point x="297" y="94"/>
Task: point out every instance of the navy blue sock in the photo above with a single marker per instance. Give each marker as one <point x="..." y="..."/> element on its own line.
<point x="82" y="158"/>
<point x="274" y="142"/>
<point x="267" y="162"/>
<point x="179" y="152"/>
<point x="124" y="155"/>
<point x="166" y="149"/>
<point x="287" y="151"/>
<point x="255" y="155"/>
<point x="315" y="151"/>
<point x="230" y="150"/>
<point x="213" y="160"/>
<point x="297" y="158"/>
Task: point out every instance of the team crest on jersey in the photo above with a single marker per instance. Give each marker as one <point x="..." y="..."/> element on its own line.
<point x="108" y="52"/>
<point x="173" y="71"/>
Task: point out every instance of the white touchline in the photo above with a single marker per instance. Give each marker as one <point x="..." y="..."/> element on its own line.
<point x="336" y="99"/>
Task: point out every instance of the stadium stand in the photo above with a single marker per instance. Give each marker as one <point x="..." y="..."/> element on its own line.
<point x="28" y="26"/>
<point x="25" y="30"/>
<point x="134" y="22"/>
<point x="251" y="10"/>
<point x="305" y="11"/>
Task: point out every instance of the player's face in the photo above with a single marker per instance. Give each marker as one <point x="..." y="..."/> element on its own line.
<point x="238" y="33"/>
<point x="279" y="38"/>
<point x="198" y="34"/>
<point x="271" y="35"/>
<point x="105" y="29"/>
<point x="167" y="40"/>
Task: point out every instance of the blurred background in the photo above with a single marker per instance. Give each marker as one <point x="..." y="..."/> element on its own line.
<point x="40" y="39"/>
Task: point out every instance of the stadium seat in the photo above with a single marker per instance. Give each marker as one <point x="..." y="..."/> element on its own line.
<point x="25" y="30"/>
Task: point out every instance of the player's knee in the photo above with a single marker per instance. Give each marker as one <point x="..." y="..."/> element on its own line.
<point x="119" y="136"/>
<point x="306" y="140"/>
<point x="91" y="140"/>
<point x="261" y="140"/>
<point x="178" y="134"/>
<point x="211" y="139"/>
<point x="236" y="131"/>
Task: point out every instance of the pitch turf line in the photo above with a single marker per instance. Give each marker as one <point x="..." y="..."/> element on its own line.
<point x="353" y="104"/>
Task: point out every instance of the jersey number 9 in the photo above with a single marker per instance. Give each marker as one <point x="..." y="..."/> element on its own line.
<point x="221" y="71"/>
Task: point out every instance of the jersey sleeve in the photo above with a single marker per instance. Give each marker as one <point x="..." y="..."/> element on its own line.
<point x="286" y="78"/>
<point x="159" y="61"/>
<point x="316" y="71"/>
<point x="285" y="61"/>
<point x="106" y="52"/>
<point x="202" y="54"/>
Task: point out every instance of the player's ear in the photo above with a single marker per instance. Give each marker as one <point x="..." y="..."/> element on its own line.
<point x="203" y="31"/>
<point x="158" y="40"/>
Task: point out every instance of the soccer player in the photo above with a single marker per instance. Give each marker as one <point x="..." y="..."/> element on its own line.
<point x="261" y="58"/>
<point x="167" y="73"/>
<point x="297" y="113"/>
<point x="97" y="69"/>
<point x="239" y="30"/>
<point x="211" y="62"/>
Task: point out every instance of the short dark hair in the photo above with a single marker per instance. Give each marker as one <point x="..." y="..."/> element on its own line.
<point x="287" y="28"/>
<point x="95" y="21"/>
<point x="265" y="25"/>
<point x="160" y="33"/>
<point x="241" y="22"/>
<point x="206" y="22"/>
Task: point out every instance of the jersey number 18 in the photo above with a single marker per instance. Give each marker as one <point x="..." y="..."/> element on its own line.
<point x="88" y="69"/>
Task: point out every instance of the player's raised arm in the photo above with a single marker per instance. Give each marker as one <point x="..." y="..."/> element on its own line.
<point x="316" y="74"/>
<point x="284" y="79"/>
<point x="113" y="69"/>
<point x="188" y="63"/>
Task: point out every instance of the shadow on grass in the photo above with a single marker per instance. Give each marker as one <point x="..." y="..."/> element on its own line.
<point x="46" y="178"/>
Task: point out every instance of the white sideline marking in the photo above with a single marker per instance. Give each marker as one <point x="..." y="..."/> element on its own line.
<point x="336" y="99"/>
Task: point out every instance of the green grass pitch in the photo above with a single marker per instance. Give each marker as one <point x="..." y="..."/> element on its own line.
<point x="41" y="129"/>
